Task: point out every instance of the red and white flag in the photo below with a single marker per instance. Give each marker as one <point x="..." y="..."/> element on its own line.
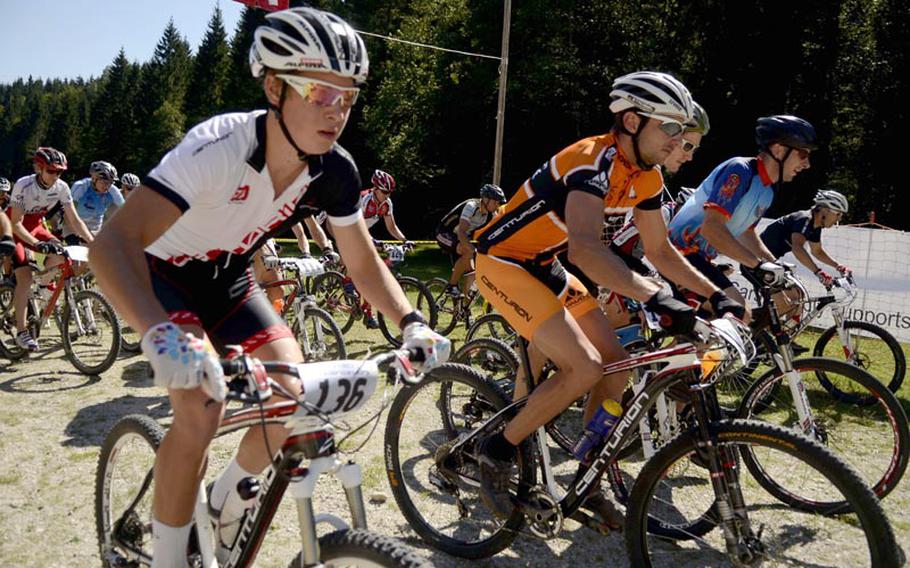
<point x="267" y="5"/>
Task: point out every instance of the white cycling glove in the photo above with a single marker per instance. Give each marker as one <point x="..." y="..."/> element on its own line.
<point x="181" y="361"/>
<point x="271" y="262"/>
<point x="434" y="347"/>
<point x="772" y="273"/>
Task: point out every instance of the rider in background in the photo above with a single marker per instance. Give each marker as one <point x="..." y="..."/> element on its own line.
<point x="792" y="232"/>
<point x="175" y="260"/>
<point x="266" y="261"/>
<point x="721" y="215"/>
<point x="128" y="182"/>
<point x="5" y="188"/>
<point x="32" y="197"/>
<point x="376" y="203"/>
<point x="93" y="196"/>
<point x="457" y="227"/>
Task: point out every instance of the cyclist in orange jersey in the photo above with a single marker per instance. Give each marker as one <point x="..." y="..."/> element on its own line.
<point x="562" y="207"/>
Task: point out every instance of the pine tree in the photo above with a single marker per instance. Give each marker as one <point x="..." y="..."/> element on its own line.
<point x="209" y="79"/>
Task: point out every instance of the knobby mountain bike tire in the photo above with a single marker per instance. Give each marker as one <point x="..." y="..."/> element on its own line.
<point x="357" y="547"/>
<point x="124" y="480"/>
<point x="419" y="298"/>
<point x="450" y="517"/>
<point x="670" y="482"/>
<point x="319" y="337"/>
<point x="95" y="348"/>
<point x="890" y="367"/>
<point x="873" y="437"/>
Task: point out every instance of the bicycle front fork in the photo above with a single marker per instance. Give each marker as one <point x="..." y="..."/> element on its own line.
<point x="303" y="487"/>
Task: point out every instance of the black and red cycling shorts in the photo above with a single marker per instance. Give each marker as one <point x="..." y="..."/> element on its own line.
<point x="21" y="257"/>
<point x="227" y="304"/>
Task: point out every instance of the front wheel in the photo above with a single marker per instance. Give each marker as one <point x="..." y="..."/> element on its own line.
<point x="419" y="298"/>
<point x="674" y="487"/>
<point x="447" y="307"/>
<point x="319" y="337"/>
<point x="123" y="491"/>
<point x="355" y="547"/>
<point x="871" y="348"/>
<point x="91" y="332"/>
<point x="436" y="487"/>
<point x="343" y="306"/>
<point x="873" y="437"/>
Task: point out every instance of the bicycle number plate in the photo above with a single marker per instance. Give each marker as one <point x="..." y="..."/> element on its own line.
<point x="396" y="253"/>
<point x="77" y="253"/>
<point x="338" y="387"/>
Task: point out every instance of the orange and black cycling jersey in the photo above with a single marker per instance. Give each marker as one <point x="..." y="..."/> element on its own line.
<point x="532" y="225"/>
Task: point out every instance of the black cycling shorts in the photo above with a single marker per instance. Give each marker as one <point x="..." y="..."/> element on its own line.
<point x="709" y="270"/>
<point x="232" y="309"/>
<point x="448" y="242"/>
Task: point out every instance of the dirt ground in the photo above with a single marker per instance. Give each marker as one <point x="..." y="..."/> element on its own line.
<point x="53" y="421"/>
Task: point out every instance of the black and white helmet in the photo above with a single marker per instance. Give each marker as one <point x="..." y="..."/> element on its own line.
<point x="652" y="93"/>
<point x="306" y="39"/>
<point x="104" y="170"/>
<point x="130" y="180"/>
<point x="833" y="200"/>
<point x="4" y="185"/>
<point x="492" y="191"/>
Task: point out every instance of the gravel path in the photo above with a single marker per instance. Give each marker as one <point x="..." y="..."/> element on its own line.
<point x="53" y="421"/>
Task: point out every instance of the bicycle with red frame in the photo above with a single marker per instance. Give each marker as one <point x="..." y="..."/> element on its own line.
<point x="88" y="325"/>
<point x="335" y="293"/>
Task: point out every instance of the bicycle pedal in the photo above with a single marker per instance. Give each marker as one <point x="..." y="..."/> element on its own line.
<point x="589" y="521"/>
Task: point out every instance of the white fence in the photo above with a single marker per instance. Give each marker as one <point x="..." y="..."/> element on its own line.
<point x="881" y="266"/>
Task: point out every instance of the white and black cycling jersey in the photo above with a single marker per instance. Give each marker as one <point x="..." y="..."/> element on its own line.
<point x="35" y="201"/>
<point x="470" y="211"/>
<point x="218" y="178"/>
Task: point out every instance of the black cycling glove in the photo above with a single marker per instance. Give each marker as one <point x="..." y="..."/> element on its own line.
<point x="723" y="305"/>
<point x="49" y="247"/>
<point x="676" y="317"/>
<point x="7" y="246"/>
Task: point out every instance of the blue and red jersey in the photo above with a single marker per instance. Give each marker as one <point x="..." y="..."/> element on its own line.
<point x="739" y="188"/>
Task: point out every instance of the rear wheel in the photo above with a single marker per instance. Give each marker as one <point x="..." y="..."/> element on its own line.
<point x="8" y="346"/>
<point x="436" y="488"/>
<point x="447" y="307"/>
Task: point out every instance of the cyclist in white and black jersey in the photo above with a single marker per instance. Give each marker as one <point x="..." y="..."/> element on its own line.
<point x="30" y="200"/>
<point x="376" y="204"/>
<point x="457" y="227"/>
<point x="175" y="259"/>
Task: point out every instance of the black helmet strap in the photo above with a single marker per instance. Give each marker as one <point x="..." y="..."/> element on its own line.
<point x="301" y="155"/>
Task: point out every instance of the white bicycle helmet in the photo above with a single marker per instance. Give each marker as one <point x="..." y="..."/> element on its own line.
<point x="4" y="185"/>
<point x="653" y="93"/>
<point x="104" y="170"/>
<point x="699" y="123"/>
<point x="129" y="180"/>
<point x="307" y="39"/>
<point x="831" y="199"/>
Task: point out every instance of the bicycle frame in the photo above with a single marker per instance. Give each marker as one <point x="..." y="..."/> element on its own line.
<point x="64" y="286"/>
<point x="305" y="442"/>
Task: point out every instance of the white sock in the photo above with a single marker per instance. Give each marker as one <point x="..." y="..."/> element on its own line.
<point x="169" y="545"/>
<point x="226" y="499"/>
<point x="227" y="483"/>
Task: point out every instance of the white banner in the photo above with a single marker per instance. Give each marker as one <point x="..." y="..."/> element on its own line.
<point x="880" y="260"/>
